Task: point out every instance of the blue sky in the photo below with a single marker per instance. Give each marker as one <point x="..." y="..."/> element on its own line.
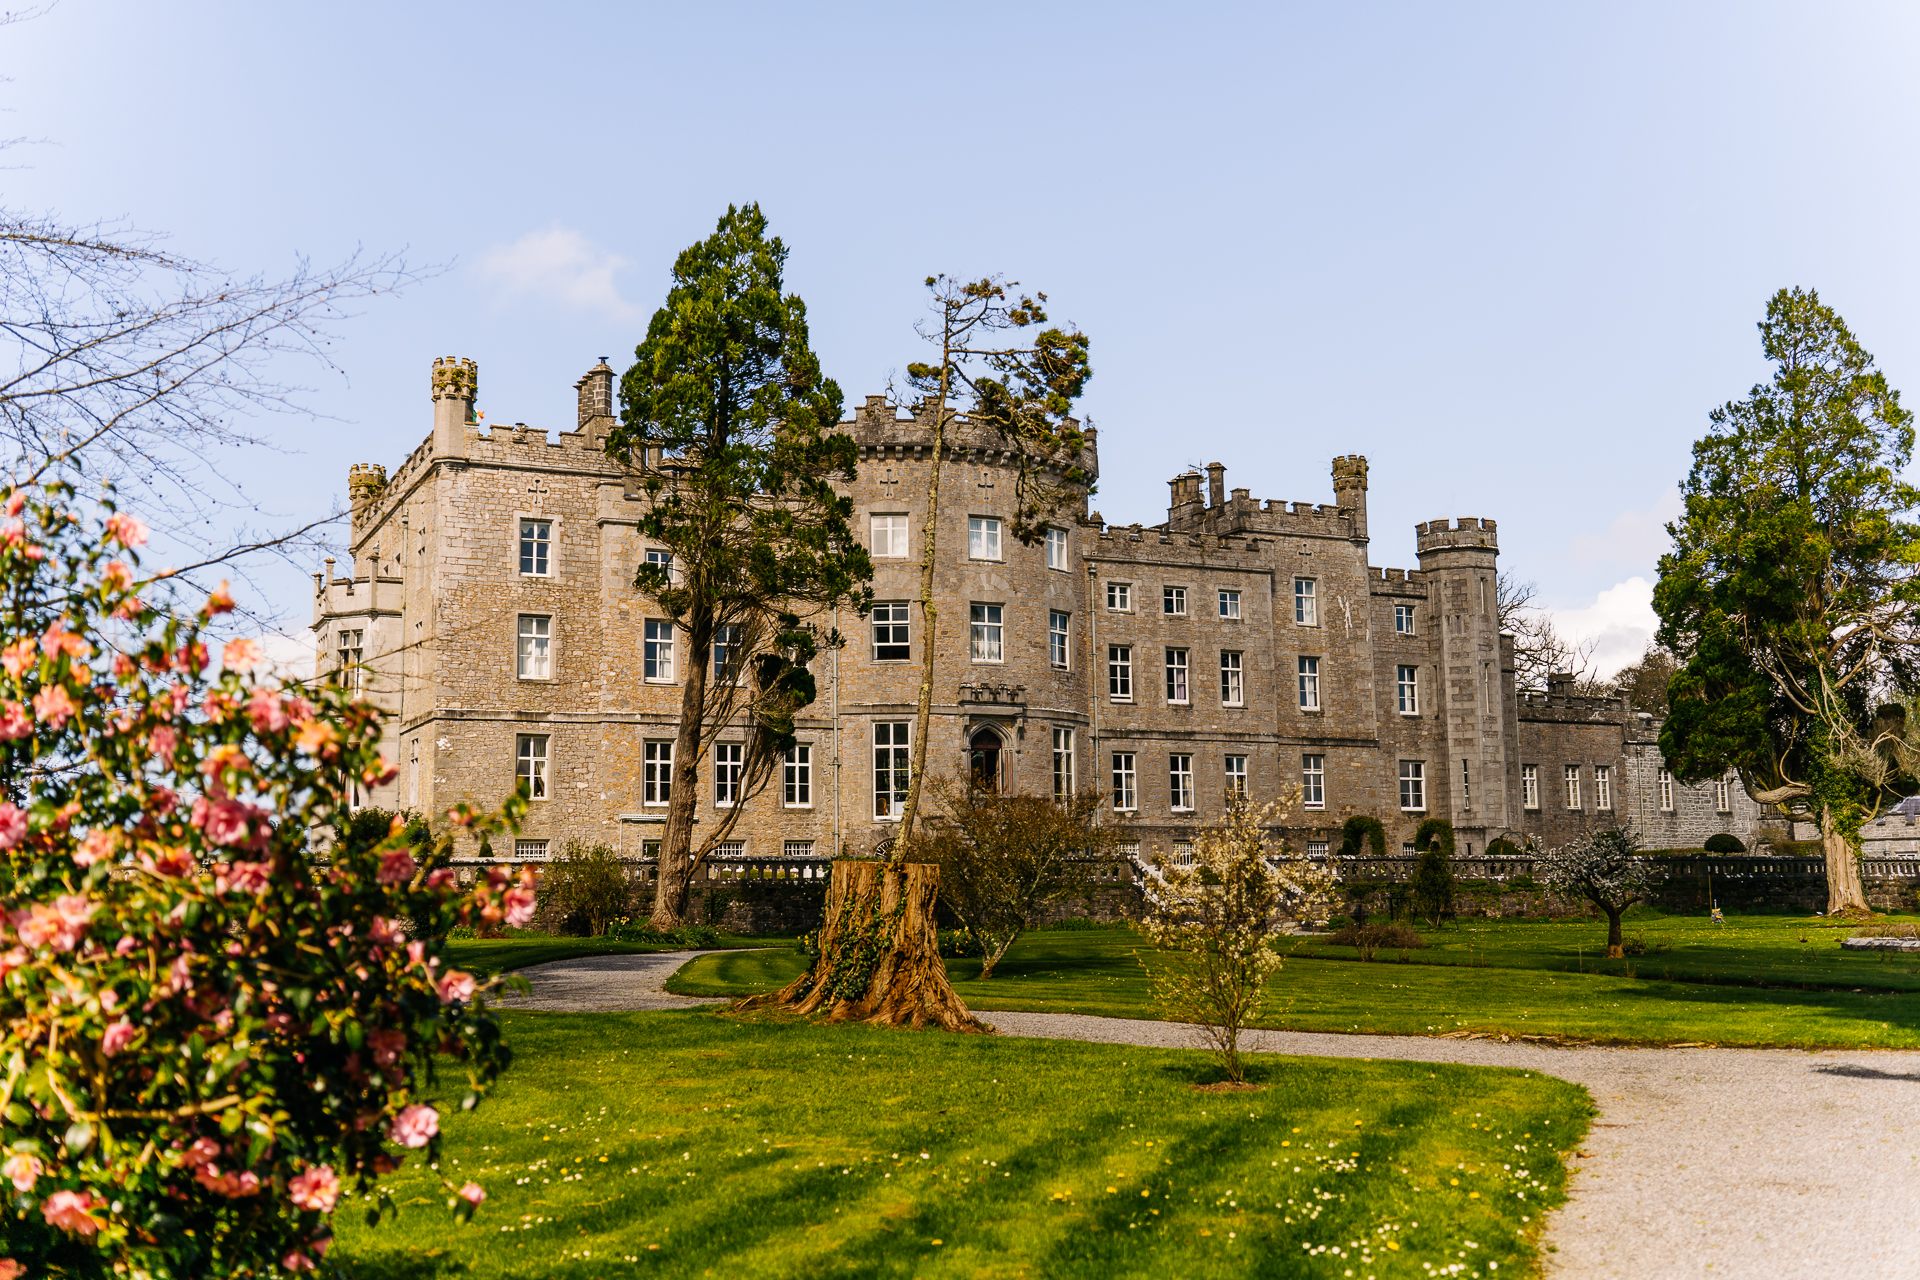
<point x="1512" y="253"/>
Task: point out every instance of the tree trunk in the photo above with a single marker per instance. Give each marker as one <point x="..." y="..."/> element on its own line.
<point x="1846" y="895"/>
<point x="878" y="959"/>
<point x="929" y="622"/>
<point x="1615" y="945"/>
<point x="676" y="843"/>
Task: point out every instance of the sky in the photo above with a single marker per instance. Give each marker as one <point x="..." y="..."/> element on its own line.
<point x="1513" y="254"/>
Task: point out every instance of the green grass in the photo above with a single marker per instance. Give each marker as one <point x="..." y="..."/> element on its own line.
<point x="694" y="1143"/>
<point x="1101" y="973"/>
<point x="487" y="956"/>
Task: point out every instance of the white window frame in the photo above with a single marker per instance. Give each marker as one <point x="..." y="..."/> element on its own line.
<point x="1666" y="791"/>
<point x="728" y="760"/>
<point x="1126" y="783"/>
<point x="1120" y="672"/>
<point x="986" y="632"/>
<point x="797" y="849"/>
<point x="1173" y="602"/>
<point x="1057" y="549"/>
<point x="1306" y="602"/>
<point x="896" y="622"/>
<point x="1403" y="620"/>
<point x="893" y="764"/>
<point x="1309" y="672"/>
<point x="1529" y="786"/>
<point x="1722" y="795"/>
<point x="1180" y="782"/>
<point x="1313" y="781"/>
<point x="534" y="849"/>
<point x="1062" y="763"/>
<point x="1570" y="775"/>
<point x="1413" y="786"/>
<point x="1059" y="639"/>
<point x="656" y="772"/>
<point x="1407" y="686"/>
<point x="797" y="777"/>
<point x="726" y="653"/>
<point x="656" y="651"/>
<point x="661" y="557"/>
<point x="1179" y="691"/>
<point x="534" y="552"/>
<point x="1233" y="688"/>
<point x="1120" y="597"/>
<point x="1466" y="785"/>
<point x="1229" y="603"/>
<point x="983" y="538"/>
<point x="350" y="648"/>
<point x="533" y="763"/>
<point x="887" y="536"/>
<point x="1603" y="787"/>
<point x="1235" y="768"/>
<point x="533" y="647"/>
<point x="1316" y="848"/>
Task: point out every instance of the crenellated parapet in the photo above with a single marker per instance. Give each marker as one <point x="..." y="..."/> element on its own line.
<point x="883" y="434"/>
<point x="1216" y="513"/>
<point x="1452" y="544"/>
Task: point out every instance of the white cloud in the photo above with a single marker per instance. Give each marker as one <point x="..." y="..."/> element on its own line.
<point x="1635" y="541"/>
<point x="560" y="265"/>
<point x="1620" y="623"/>
<point x="289" y="657"/>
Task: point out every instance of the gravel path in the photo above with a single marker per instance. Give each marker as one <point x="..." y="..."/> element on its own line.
<point x="1765" y="1163"/>
<point x="606" y="984"/>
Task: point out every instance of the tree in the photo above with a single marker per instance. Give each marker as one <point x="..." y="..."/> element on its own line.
<point x="207" y="1033"/>
<point x="1022" y="398"/>
<point x="731" y="426"/>
<point x="1433" y="885"/>
<point x="1362" y="835"/>
<point x="1213" y="923"/>
<point x="589" y="883"/>
<point x="1539" y="650"/>
<point x="1605" y="868"/>
<point x="1003" y="858"/>
<point x="1642" y="683"/>
<point x="1790" y="595"/>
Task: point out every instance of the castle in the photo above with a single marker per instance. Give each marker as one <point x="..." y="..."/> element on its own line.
<point x="489" y="608"/>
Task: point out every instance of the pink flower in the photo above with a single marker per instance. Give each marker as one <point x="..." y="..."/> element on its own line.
<point x="59" y="640"/>
<point x="126" y="530"/>
<point x="231" y="1185"/>
<point x="295" y="1261"/>
<point x="11" y="1270"/>
<point x="387" y="1046"/>
<point x="59" y="926"/>
<point x="416" y="953"/>
<point x="70" y="1212"/>
<point x="18" y="657"/>
<point x="22" y="1169"/>
<point x="52" y="706"/>
<point x="386" y="933"/>
<point x="202" y="1151"/>
<point x="454" y="986"/>
<point x="472" y="1193"/>
<point x="268" y="712"/>
<point x="163" y="800"/>
<point x="119" y="1035"/>
<point x="415" y="1126"/>
<point x="12" y="958"/>
<point x="397" y="867"/>
<point x="99" y="844"/>
<point x="15" y="723"/>
<point x="13" y="825"/>
<point x="242" y="655"/>
<point x="118" y="575"/>
<point x="221" y="601"/>
<point x="520" y="906"/>
<point x="162" y="742"/>
<point x="317" y="1189"/>
<point x="247" y="877"/>
<point x="226" y="822"/>
<point x="172" y="862"/>
<point x="440" y="877"/>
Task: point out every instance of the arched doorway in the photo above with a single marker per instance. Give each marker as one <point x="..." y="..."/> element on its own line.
<point x="983" y="758"/>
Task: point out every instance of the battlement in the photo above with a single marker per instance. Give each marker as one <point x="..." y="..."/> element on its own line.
<point x="881" y="432"/>
<point x="1217" y="515"/>
<point x="1467" y="541"/>
<point x="1124" y="541"/>
<point x="1396" y="581"/>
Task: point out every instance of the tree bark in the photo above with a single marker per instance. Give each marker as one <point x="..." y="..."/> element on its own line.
<point x="878" y="959"/>
<point x="676" y="843"/>
<point x="1615" y="945"/>
<point x="1846" y="895"/>
<point x="929" y="622"/>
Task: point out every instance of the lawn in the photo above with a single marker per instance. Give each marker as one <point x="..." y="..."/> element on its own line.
<point x="695" y="1143"/>
<point x="488" y="956"/>
<point x="1100" y="972"/>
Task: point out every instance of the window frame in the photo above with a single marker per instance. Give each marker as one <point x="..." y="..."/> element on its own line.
<point x="1063" y="762"/>
<point x="1403" y="614"/>
<point x="1665" y="781"/>
<point x="656" y="773"/>
<point x="1723" y="795"/>
<point x="729" y="763"/>
<point x="981" y="530"/>
<point x="1126" y="782"/>
<point x="1413" y="786"/>
<point x="521" y="654"/>
<point x="1173" y="602"/>
<point x="1229" y="604"/>
<point x="986" y="632"/>
<point x="898" y="768"/>
<point x="1603" y="788"/>
<point x="1570" y="777"/>
<point x="1123" y="592"/>
<point x="1179" y="687"/>
<point x="1233" y="686"/>
<point x="1313" y="780"/>
<point x="726" y="640"/>
<point x="537" y="549"/>
<point x="1056" y="541"/>
<point x="533" y="764"/>
<point x="1233" y="766"/>
<point x="1406" y="680"/>
<point x="796" y="777"/>
<point x="1180" y="781"/>
<point x="1530" y="786"/>
<point x="656" y="653"/>
<point x="1060" y="639"/>
<point x="1120" y="672"/>
<point x="898" y="536"/>
<point x="895" y="624"/>
<point x="1308" y="669"/>
<point x="1306" y="602"/>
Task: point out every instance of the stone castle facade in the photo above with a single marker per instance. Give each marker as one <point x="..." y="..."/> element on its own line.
<point x="489" y="608"/>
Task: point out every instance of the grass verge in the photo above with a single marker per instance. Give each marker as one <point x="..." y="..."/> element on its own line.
<point x="690" y="1142"/>
<point x="487" y="956"/>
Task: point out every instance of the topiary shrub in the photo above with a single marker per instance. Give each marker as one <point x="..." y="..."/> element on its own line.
<point x="1363" y="836"/>
<point x="1505" y="848"/>
<point x="1434" y="831"/>
<point x="1433" y="883"/>
<point x="1724" y="843"/>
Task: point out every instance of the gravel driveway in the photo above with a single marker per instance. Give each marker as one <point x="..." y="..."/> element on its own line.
<point x="606" y="984"/>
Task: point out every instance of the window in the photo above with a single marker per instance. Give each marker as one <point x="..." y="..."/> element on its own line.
<point x="891" y="765"/>
<point x="1120" y="597"/>
<point x="1229" y="604"/>
<point x="1666" y="791"/>
<point x="1183" y="853"/>
<point x="529" y="848"/>
<point x="1176" y="675"/>
<point x="1126" y="794"/>
<point x="1313" y="781"/>
<point x="1466" y="786"/>
<point x="1573" y="786"/>
<point x="1056" y="548"/>
<point x="536" y="543"/>
<point x="726" y="773"/>
<point x="1129" y="849"/>
<point x="1403" y="619"/>
<point x="983" y="538"/>
<point x="1236" y="775"/>
<point x="1057" y="638"/>
<point x="1722" y="796"/>
<point x="890" y="633"/>
<point x="797" y="849"/>
<point x="1316" y="848"/>
<point x="532" y="768"/>
<point x="1602" y="786"/>
<point x="1309" y="684"/>
<point x="1530" y="786"/>
<point x="889" y="537"/>
<point x="1409" y="685"/>
<point x="1305" y="611"/>
<point x="726" y="654"/>
<point x="1173" y="600"/>
<point x="730" y="849"/>
<point x="986" y="632"/>
<point x="657" y="772"/>
<point x="350" y="646"/>
<point x="536" y="647"/>
<point x="1120" y="672"/>
<point x="1232" y="692"/>
<point x="657" y="650"/>
<point x="1413" y="785"/>
<point x="661" y="560"/>
<point x="1180" y="782"/>
<point x="1062" y="763"/>
<point x="799" y="776"/>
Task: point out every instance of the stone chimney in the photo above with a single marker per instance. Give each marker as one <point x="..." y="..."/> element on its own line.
<point x="596" y="400"/>
<point x="366" y="481"/>
<point x="1184" y="501"/>
<point x="1350" y="489"/>
<point x="456" y="381"/>
<point x="1560" y="684"/>
<point x="1216" y="485"/>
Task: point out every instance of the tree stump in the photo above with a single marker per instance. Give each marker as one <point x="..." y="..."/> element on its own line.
<point x="877" y="958"/>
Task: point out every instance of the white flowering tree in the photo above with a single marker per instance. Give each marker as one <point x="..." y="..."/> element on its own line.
<point x="1604" y="867"/>
<point x="208" y="1035"/>
<point x="1214" y="921"/>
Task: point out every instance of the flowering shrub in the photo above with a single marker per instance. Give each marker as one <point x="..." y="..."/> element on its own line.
<point x="210" y="1034"/>
<point x="1607" y="869"/>
<point x="1214" y="921"/>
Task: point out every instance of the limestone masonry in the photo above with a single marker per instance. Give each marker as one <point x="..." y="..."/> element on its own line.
<point x="489" y="608"/>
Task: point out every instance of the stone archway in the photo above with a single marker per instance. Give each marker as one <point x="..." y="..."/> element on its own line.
<point x="984" y="745"/>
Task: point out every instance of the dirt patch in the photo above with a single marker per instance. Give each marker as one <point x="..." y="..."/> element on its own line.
<point x="1228" y="1086"/>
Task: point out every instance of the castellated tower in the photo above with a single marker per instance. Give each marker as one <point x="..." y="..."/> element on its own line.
<point x="1459" y="560"/>
<point x="1350" y="489"/>
<point x="456" y="382"/>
